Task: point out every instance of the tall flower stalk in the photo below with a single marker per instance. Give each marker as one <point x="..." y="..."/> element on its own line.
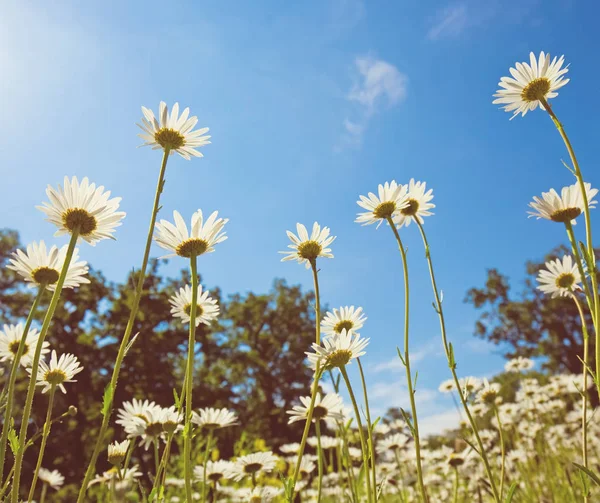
<point x="139" y="290"/>
<point x="6" y="426"/>
<point x="449" y="351"/>
<point x="75" y="231"/>
<point x="369" y="428"/>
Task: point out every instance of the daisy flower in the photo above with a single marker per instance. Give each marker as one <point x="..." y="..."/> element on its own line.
<point x="215" y="471"/>
<point x="128" y="475"/>
<point x="565" y="207"/>
<point x="447" y="386"/>
<point x="327" y="408"/>
<point x="173" y="131"/>
<point x="251" y="464"/>
<point x="488" y="394"/>
<point x="390" y="198"/>
<point x="337" y="350"/>
<point x="292" y="448"/>
<point x="207" y="308"/>
<point x="117" y="452"/>
<point x="347" y="318"/>
<point x="201" y="238"/>
<point x="305" y="248"/>
<point x="213" y="419"/>
<point x="150" y="428"/>
<point x="136" y="409"/>
<point x="170" y="419"/>
<point x="10" y="338"/>
<point x="532" y="84"/>
<point x="42" y="267"/>
<point x="560" y="278"/>
<point x="57" y="371"/>
<point x="53" y="478"/>
<point x="306" y="466"/>
<point x="393" y="442"/>
<point x="84" y="207"/>
<point x="518" y="364"/>
<point x="417" y="204"/>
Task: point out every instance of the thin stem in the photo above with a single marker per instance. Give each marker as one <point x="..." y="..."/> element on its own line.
<point x="156" y="457"/>
<point x="206" y="454"/>
<point x="591" y="259"/>
<point x="44" y="490"/>
<point x="580" y="268"/>
<point x="502" y="451"/>
<point x="36" y="363"/>
<point x="315" y="389"/>
<point x="369" y="429"/>
<point x="189" y="376"/>
<point x="361" y="433"/>
<point x="47" y="426"/>
<point x="455" y="499"/>
<point x="127" y="334"/>
<point x="319" y="461"/>
<point x="6" y="426"/>
<point x="166" y="456"/>
<point x="411" y="392"/>
<point x="584" y="385"/>
<point x="452" y="365"/>
<point x="130" y="448"/>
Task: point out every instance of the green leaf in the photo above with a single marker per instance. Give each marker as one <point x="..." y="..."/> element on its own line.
<point x="400" y="356"/>
<point x="408" y="422"/>
<point x="177" y="400"/>
<point x="451" y="360"/>
<point x="13" y="440"/>
<point x="472" y="446"/>
<point x="511" y="492"/>
<point x="107" y="399"/>
<point x="589" y="473"/>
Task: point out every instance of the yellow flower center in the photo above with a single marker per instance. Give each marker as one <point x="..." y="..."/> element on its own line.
<point x="252" y="467"/>
<point x="169" y="138"/>
<point x="410" y="210"/>
<point x="536" y="90"/>
<point x="153" y="429"/>
<point x="489" y="396"/>
<point x="187" y="309"/>
<point x="309" y="250"/>
<point x="255" y="499"/>
<point x="565" y="280"/>
<point x="115" y="457"/>
<point x="455" y="460"/>
<point x="191" y="247"/>
<point x="385" y="210"/>
<point x="55" y="376"/>
<point x="341" y="325"/>
<point x="13" y="347"/>
<point x="319" y="412"/>
<point x="45" y="275"/>
<point x="565" y="215"/>
<point x="338" y="358"/>
<point x="80" y="219"/>
<point x="215" y="477"/>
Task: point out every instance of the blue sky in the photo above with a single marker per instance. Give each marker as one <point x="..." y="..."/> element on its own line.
<point x="310" y="104"/>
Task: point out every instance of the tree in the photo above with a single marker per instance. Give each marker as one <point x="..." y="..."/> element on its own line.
<point x="251" y="360"/>
<point x="530" y="323"/>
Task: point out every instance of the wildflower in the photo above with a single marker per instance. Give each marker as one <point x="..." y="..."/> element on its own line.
<point x="307" y="248"/>
<point x="393" y="442"/>
<point x="215" y="471"/>
<point x="560" y="278"/>
<point x="469" y="385"/>
<point x="42" y="267"/>
<point x="488" y="394"/>
<point x="128" y="476"/>
<point x="447" y="386"/>
<point x="201" y="238"/>
<point x="347" y="317"/>
<point x="173" y="131"/>
<point x="53" y="478"/>
<point x="149" y="428"/>
<point x="212" y="419"/>
<point x="170" y="419"/>
<point x="207" y="308"/>
<point x="57" y="371"/>
<point x="292" y="448"/>
<point x="518" y="364"/>
<point x="391" y="197"/>
<point x="338" y="350"/>
<point x="565" y="207"/>
<point x="532" y="84"/>
<point x="10" y="338"/>
<point x="135" y="410"/>
<point x="307" y="466"/>
<point x="251" y="464"/>
<point x="456" y="459"/>
<point x="84" y="208"/>
<point x="117" y="452"/>
<point x="326" y="408"/>
<point x="417" y="204"/>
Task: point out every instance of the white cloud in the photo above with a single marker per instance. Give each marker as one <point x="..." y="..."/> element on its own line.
<point x="449" y="22"/>
<point x="432" y="349"/>
<point x="378" y="84"/>
<point x="437" y="423"/>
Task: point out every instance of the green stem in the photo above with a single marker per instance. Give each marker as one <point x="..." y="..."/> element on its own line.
<point x="580" y="268"/>
<point x="44" y="490"/>
<point x="361" y="433"/>
<point x="369" y="429"/>
<point x="502" y="451"/>
<point x="47" y="426"/>
<point x="455" y="499"/>
<point x="35" y="366"/>
<point x="452" y="365"/>
<point x="167" y="454"/>
<point x="584" y="403"/>
<point x="156" y="456"/>
<point x="130" y="448"/>
<point x="588" y="231"/>
<point x="6" y="426"/>
<point x="99" y="446"/>
<point x="206" y="454"/>
<point x="315" y="389"/>
<point x="319" y="460"/>
<point x="411" y="392"/>
<point x="189" y="376"/>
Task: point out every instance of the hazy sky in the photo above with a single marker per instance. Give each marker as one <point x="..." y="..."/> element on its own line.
<point x="309" y="104"/>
